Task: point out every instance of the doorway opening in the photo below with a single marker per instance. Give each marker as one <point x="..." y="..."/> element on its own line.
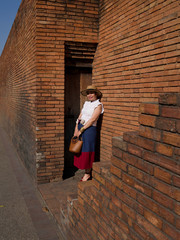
<point x="75" y="79"/>
<point x="78" y="75"/>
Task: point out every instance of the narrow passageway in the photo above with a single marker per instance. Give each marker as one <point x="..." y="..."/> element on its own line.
<point x="21" y="208"/>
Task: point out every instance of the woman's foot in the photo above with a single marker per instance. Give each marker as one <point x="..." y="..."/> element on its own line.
<point x="86" y="177"/>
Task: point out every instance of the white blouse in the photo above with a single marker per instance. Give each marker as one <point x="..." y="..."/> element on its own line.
<point x="88" y="109"/>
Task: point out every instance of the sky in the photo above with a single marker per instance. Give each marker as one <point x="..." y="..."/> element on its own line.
<point x="8" y="10"/>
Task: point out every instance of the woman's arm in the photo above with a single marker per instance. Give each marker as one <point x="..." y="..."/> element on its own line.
<point x="76" y="127"/>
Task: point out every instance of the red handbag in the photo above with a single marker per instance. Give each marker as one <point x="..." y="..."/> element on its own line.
<point x="75" y="145"/>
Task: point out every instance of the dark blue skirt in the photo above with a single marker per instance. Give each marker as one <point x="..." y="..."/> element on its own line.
<point x="86" y="158"/>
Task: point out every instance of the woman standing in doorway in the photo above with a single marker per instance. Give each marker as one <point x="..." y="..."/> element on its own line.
<point x="86" y="125"/>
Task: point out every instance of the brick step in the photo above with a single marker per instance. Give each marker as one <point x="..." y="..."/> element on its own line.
<point x="101" y="173"/>
<point x="87" y="193"/>
<point x="65" y="212"/>
<point x="59" y="197"/>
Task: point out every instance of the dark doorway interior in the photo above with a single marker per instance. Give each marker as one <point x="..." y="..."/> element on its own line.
<point x="77" y="79"/>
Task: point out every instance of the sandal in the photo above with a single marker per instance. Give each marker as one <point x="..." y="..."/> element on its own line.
<point x="84" y="179"/>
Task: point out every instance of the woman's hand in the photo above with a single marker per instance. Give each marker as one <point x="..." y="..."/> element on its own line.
<point x="77" y="134"/>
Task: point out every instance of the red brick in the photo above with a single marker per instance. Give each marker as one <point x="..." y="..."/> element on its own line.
<point x="169" y="99"/>
<point x="163" y="199"/>
<point x="99" y="178"/>
<point x="147" y="120"/>
<point x="149" y="132"/>
<point x="166" y="124"/>
<point x="166" y="189"/>
<point x="177" y="223"/>
<point x="171" y="231"/>
<point x="171" y="138"/>
<point x="177" y="153"/>
<point x="116" y="181"/>
<point x="96" y="183"/>
<point x="110" y="186"/>
<point x="132" y="182"/>
<point x="170" y="112"/>
<point x="123" y="197"/>
<point x="138" y="174"/>
<point x="81" y="228"/>
<point x="176" y="181"/>
<point x="92" y="226"/>
<point x="138" y="163"/>
<point x="140" y="208"/>
<point x="119" y="143"/>
<point x="156" y="208"/>
<point x="116" y="171"/>
<point x="117" y="152"/>
<point x="117" y="237"/>
<point x="139" y="141"/>
<point x="119" y="163"/>
<point x="150" y="228"/>
<point x="139" y="230"/>
<point x="134" y="150"/>
<point x="104" y="222"/>
<point x="156" y="221"/>
<point x="177" y="208"/>
<point x="162" y="175"/>
<point x="162" y="161"/>
<point x="97" y="167"/>
<point x="82" y="186"/>
<point x="129" y="211"/>
<point x="116" y="202"/>
<point x="121" y="225"/>
<point x="148" y="108"/>
<point x="164" y="149"/>
<point x="106" y="196"/>
<point x="178" y="126"/>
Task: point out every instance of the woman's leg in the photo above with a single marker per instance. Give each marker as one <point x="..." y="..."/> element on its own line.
<point x="88" y="171"/>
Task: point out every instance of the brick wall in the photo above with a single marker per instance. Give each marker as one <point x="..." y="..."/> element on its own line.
<point x="18" y="85"/>
<point x="32" y="78"/>
<point x="57" y="22"/>
<point x="137" y="59"/>
<point x="136" y="195"/>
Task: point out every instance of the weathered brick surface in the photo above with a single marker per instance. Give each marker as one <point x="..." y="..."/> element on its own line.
<point x="137" y="195"/>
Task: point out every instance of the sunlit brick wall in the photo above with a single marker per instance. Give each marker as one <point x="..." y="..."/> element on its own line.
<point x="137" y="59"/>
<point x="136" y="195"/>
